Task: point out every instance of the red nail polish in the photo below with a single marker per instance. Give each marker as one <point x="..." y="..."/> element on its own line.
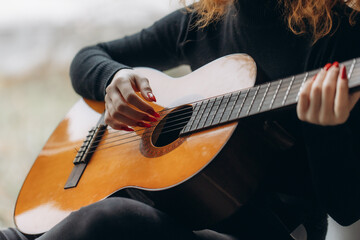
<point x="152" y="112"/>
<point x="151" y="97"/>
<point x="343" y="73"/>
<point x="327" y="66"/>
<point x="142" y="124"/>
<point x="127" y="129"/>
<point x="150" y="119"/>
<point x="335" y="64"/>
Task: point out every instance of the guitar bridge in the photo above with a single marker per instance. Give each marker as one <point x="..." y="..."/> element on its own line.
<point x="89" y="145"/>
<point x="84" y="154"/>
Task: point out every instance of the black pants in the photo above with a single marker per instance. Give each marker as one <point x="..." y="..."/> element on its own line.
<point x="126" y="219"/>
<point x="121" y="218"/>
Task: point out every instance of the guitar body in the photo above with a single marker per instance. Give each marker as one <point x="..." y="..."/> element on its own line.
<point x="200" y="178"/>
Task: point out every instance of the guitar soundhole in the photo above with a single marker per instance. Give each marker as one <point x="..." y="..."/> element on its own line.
<point x="169" y="128"/>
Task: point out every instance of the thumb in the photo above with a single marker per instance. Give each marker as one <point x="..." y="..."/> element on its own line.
<point x="145" y="89"/>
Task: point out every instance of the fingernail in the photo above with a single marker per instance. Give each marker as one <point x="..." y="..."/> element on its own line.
<point x="335" y="64"/>
<point x="150" y="119"/>
<point x="314" y="77"/>
<point x="142" y="124"/>
<point x="152" y="112"/>
<point x="327" y="66"/>
<point x="127" y="129"/>
<point x="151" y="97"/>
<point x="343" y="73"/>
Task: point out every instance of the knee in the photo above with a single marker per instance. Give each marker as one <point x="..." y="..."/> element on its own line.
<point x="113" y="211"/>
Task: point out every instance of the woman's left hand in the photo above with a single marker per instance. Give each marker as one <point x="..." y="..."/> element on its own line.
<point x="325" y="99"/>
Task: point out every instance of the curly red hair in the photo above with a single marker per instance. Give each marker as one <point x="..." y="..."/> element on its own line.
<point x="314" y="16"/>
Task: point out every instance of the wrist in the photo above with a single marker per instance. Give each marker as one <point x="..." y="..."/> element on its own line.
<point x="114" y="75"/>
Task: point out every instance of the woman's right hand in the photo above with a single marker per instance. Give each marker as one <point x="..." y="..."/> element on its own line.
<point x="123" y="107"/>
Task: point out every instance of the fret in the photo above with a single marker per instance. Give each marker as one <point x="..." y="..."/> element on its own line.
<point x="221" y="109"/>
<point x="295" y="87"/>
<point x="288" y="91"/>
<point x="302" y="84"/>
<point x="213" y="111"/>
<point x="247" y="102"/>
<point x="353" y="76"/>
<point x="218" y="112"/>
<point x="348" y="63"/>
<point x="263" y="98"/>
<point x="351" y="69"/>
<point x="206" y="113"/>
<point x="296" y="84"/>
<point x="258" y="99"/>
<point x="269" y="96"/>
<point x="276" y="92"/>
<point x="252" y="101"/>
<point x="191" y="121"/>
<point x="300" y="81"/>
<point x="199" y="115"/>
<point x="280" y="96"/>
<point x="230" y="107"/>
<point x="239" y="105"/>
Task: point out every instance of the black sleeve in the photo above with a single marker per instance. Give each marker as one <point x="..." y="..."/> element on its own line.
<point x="334" y="155"/>
<point x="158" y="46"/>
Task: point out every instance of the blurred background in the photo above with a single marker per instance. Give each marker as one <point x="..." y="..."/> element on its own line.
<point x="38" y="39"/>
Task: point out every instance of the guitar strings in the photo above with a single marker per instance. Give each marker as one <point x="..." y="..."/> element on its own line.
<point x="98" y="147"/>
<point x="142" y="129"/>
<point x="137" y="139"/>
<point x="169" y="126"/>
<point x="184" y="109"/>
<point x="139" y="131"/>
<point x="160" y="124"/>
<point x="281" y="90"/>
<point x="177" y="120"/>
<point x="165" y="110"/>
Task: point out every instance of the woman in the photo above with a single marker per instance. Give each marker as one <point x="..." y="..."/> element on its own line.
<point x="285" y="37"/>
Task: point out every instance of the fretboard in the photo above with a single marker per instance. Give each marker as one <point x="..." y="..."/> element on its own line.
<point x="259" y="99"/>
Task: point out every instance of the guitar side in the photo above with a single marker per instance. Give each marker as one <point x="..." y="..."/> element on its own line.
<point x="189" y="168"/>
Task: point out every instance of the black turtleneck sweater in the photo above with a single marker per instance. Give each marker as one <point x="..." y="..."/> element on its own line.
<point x="330" y="177"/>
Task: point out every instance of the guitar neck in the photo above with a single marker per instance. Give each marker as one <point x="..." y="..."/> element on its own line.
<point x="259" y="99"/>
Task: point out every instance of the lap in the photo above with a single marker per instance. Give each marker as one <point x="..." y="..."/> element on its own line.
<point x="122" y="218"/>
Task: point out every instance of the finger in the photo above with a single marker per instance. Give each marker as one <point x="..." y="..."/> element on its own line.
<point x="116" y="125"/>
<point x="129" y="95"/>
<point x="315" y="97"/>
<point x="117" y="120"/>
<point x="328" y="95"/>
<point x="124" y="109"/>
<point x="109" y="120"/>
<point x="341" y="107"/>
<point x="303" y="103"/>
<point x="143" y="85"/>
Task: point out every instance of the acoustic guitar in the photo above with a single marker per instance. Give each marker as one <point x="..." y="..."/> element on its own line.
<point x="198" y="163"/>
